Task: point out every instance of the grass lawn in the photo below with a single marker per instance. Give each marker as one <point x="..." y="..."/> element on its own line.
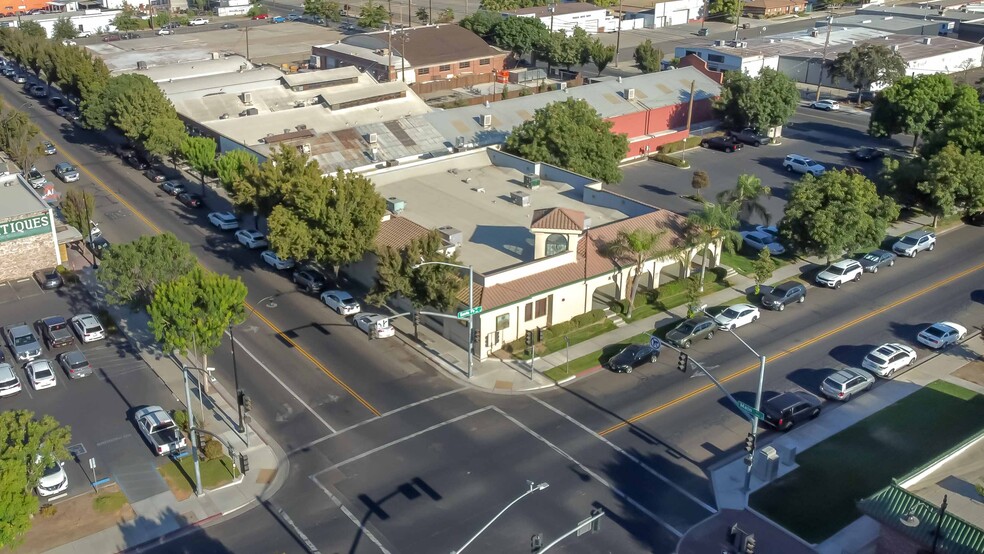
<point x="556" y="343"/>
<point x="743" y="264"/>
<point x="109" y="503"/>
<point x="180" y="475"/>
<point x="669" y="296"/>
<point x="818" y="498"/>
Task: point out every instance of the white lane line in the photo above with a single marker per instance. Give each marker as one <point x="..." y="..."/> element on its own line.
<point x="402" y="439"/>
<point x="616" y="490"/>
<point x="284" y="385"/>
<point x="351" y="516"/>
<point x="621" y="451"/>
<point x="361" y="423"/>
<point x="308" y="545"/>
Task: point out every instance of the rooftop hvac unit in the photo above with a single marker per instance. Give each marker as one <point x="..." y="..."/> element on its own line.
<point x="392" y="163"/>
<point x="306" y="148"/>
<point x="927" y="40"/>
<point x="630" y="94"/>
<point x="486" y="120"/>
<point x="716" y="43"/>
<point x="216" y="56"/>
<point x="814" y="33"/>
<point x="395" y="205"/>
<point x="252" y="111"/>
<point x="520" y="198"/>
<point x="459" y="142"/>
<point x="450" y="235"/>
<point x="373" y="138"/>
<point x="531" y="181"/>
<point x="247" y="98"/>
<point x="141" y="65"/>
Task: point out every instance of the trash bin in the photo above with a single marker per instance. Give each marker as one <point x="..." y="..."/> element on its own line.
<point x="766" y="464"/>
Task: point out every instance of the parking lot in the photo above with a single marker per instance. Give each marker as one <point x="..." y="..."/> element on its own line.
<point x="97" y="407"/>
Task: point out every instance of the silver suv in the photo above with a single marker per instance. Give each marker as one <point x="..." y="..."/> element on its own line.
<point x="802" y="164"/>
<point x="22" y="342"/>
<point x="915" y="242"/>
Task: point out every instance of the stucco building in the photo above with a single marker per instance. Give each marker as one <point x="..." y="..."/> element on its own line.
<point x="773" y="8"/>
<point x="28" y="239"/>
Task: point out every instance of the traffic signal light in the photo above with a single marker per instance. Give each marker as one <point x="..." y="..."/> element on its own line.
<point x="750" y="443"/>
<point x="416" y="318"/>
<point x="539" y="334"/>
<point x="243" y="462"/>
<point x="240" y="395"/>
<point x="529" y="338"/>
<point x="474" y="336"/>
<point x="749" y="546"/>
<point x="247" y="403"/>
<point x="683" y="362"/>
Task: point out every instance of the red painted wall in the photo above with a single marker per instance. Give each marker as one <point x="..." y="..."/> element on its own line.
<point x="657" y="121"/>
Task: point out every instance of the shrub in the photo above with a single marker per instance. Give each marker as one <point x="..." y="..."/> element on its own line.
<point x="677" y="146"/>
<point x="67" y="275"/>
<point x="180" y="418"/>
<point x="667" y="159"/>
<point x="590" y="318"/>
<point x="48" y="510"/>
<point x="213" y="449"/>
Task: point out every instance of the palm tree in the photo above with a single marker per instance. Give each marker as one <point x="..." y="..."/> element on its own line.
<point x="640" y="246"/>
<point x="711" y="224"/>
<point x="745" y="197"/>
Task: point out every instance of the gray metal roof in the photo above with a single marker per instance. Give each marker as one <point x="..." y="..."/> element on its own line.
<point x="914" y="12"/>
<point x="880" y="22"/>
<point x="324" y="75"/>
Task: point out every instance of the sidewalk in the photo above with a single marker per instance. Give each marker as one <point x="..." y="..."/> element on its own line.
<point x="727" y="478"/>
<point x="163" y="516"/>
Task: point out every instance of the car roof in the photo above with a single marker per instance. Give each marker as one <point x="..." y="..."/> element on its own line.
<point x="843" y="263"/>
<point x="53" y="319"/>
<point x="788" y="285"/>
<point x="844" y="375"/>
<point x="7" y="371"/>
<point x="785" y="399"/>
<point x="75" y="356"/>
<point x="918" y="234"/>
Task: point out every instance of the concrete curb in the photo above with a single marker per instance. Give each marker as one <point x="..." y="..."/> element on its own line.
<point x="168" y="537"/>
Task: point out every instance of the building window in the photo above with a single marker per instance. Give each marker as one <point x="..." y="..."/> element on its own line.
<point x="485" y="61"/>
<point x="529" y="312"/>
<point x="446" y="67"/>
<point x="463" y="65"/>
<point x="541" y="307"/>
<point x="717" y="58"/>
<point x="556" y="244"/>
<point x="423" y="71"/>
<point x="502" y="322"/>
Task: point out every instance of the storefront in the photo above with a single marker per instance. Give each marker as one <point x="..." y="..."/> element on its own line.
<point x="28" y="240"/>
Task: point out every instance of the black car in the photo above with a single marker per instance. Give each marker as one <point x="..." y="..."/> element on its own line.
<point x="750" y="136"/>
<point x="868" y="153"/>
<point x="976" y="219"/>
<point x="786" y="293"/>
<point x="701" y="327"/>
<point x="789" y="408"/>
<point x="136" y="162"/>
<point x="229" y="26"/>
<point x="98" y="245"/>
<point x="877" y="258"/>
<point x="632" y="356"/>
<point x="310" y="279"/>
<point x="191" y="199"/>
<point x="49" y="279"/>
<point x="722" y="143"/>
<point x="866" y="96"/>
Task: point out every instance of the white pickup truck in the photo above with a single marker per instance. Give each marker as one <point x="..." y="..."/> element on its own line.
<point x="159" y="430"/>
<point x="198" y="21"/>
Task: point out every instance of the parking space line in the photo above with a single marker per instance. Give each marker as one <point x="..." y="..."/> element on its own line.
<point x="622" y="451"/>
<point x="361" y="423"/>
<point x="351" y="516"/>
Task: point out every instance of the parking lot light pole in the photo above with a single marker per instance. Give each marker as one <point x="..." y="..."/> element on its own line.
<point x="471" y="303"/>
<point x="533" y="489"/>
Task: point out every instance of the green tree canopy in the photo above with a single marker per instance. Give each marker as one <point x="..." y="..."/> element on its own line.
<point x="838" y="212"/>
<point x="648" y="57"/>
<point x="764" y="101"/>
<point x="520" y="35"/>
<point x="200" y="153"/>
<point x="866" y="64"/>
<point x="63" y="29"/>
<point x="961" y="124"/>
<point x="917" y="105"/>
<point x="132" y="271"/>
<point x="745" y="198"/>
<point x="508" y="5"/>
<point x="762" y="268"/>
<point x="730" y="9"/>
<point x="278" y="178"/>
<point x="127" y="19"/>
<point x="481" y="23"/>
<point x="164" y="136"/>
<point x="559" y="49"/>
<point x="373" y="16"/>
<point x="435" y="286"/>
<point x="18" y="137"/>
<point x="601" y="55"/>
<point x="952" y="179"/>
<point x="712" y="224"/>
<point x="77" y="207"/>
<point x="571" y="134"/>
<point x="236" y="170"/>
<point x="33" y="29"/>
<point x="638" y="247"/>
<point x="327" y="9"/>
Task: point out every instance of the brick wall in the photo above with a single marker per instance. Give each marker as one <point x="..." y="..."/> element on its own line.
<point x="21" y="257"/>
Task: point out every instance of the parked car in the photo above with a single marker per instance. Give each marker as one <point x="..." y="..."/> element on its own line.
<point x="341" y="301"/>
<point x="75" y="364"/>
<point x="737" y="316"/>
<point x="55" y="332"/>
<point x="41" y="374"/>
<point x="251" y="238"/>
<point x="759" y="240"/>
<point x="164" y="31"/>
<point x="48" y="279"/>
<point x="198" y="21"/>
<point x="20" y="78"/>
<point x="888" y="358"/>
<point x="225" y="221"/>
<point x="22" y="342"/>
<point x="825" y="105"/>
<point x="260" y="16"/>
<point x="49" y="149"/>
<point x="689" y="330"/>
<point x="173" y="188"/>
<point x="309" y="279"/>
<point x="83" y="34"/>
<point x="275" y="261"/>
<point x="868" y="153"/>
<point x="154" y="175"/>
<point x="915" y="242"/>
<point x="786" y="293"/>
<point x="36" y="178"/>
<point x="801" y="164"/>
<point x="67" y="172"/>
<point x="843" y="384"/>
<point x="750" y="136"/>
<point x="39" y="91"/>
<point x="57" y="102"/>
<point x="88" y="328"/>
<point x="136" y="162"/>
<point x="723" y="143"/>
<point x="876" y="259"/>
<point x="789" y="408"/>
<point x="976" y="219"/>
<point x="942" y="334"/>
<point x="9" y="382"/>
<point x="866" y="96"/>
<point x="191" y="200"/>
<point x="278" y="19"/>
<point x="53" y="479"/>
<point x="375" y="325"/>
<point x="631" y="357"/>
<point x="159" y="429"/>
<point x="838" y="273"/>
<point x="230" y="25"/>
<point x="293" y="16"/>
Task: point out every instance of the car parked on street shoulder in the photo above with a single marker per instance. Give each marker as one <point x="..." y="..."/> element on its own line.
<point x="41" y="374"/>
<point x="825" y="104"/>
<point x="173" y="188"/>
<point x="55" y="331"/>
<point x="75" y="364"/>
<point x="876" y="259"/>
<point x="154" y="175"/>
<point x="225" y="221"/>
<point x="309" y="279"/>
<point x="341" y="301"/>
<point x="843" y="384"/>
<point x="251" y="238"/>
<point x="689" y="330"/>
<point x="375" y="325"/>
<point x="751" y="137"/>
<point x="915" y="242"/>
<point x="229" y="26"/>
<point x="786" y="293"/>
<point x="66" y="172"/>
<point x="9" y="383"/>
<point x="88" y="328"/>
<point x="868" y="153"/>
<point x="724" y="143"/>
<point x="633" y="356"/>
<point x="942" y="334"/>
<point x="801" y="164"/>
<point x="737" y="316"/>
<point x="790" y="408"/>
<point x="838" y="273"/>
<point x="22" y="342"/>
<point x="888" y="358"/>
<point x="275" y="261"/>
<point x="278" y="19"/>
<point x="191" y="200"/>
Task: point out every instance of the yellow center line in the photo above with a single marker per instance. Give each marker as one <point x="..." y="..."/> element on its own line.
<point x="784" y="353"/>
<point x="266" y="321"/>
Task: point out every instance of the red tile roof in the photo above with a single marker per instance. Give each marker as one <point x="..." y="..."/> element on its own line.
<point x="557" y="218"/>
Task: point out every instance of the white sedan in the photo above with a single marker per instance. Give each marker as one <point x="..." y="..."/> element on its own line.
<point x="275" y="261"/>
<point x="163" y="31"/>
<point x="737" y="316"/>
<point x="226" y="221"/>
<point x="341" y="301"/>
<point x="88" y="328"/>
<point x="826" y="105"/>
<point x="942" y="334"/>
<point x="251" y="238"/>
<point x="83" y="34"/>
<point x="885" y="360"/>
<point x="375" y="325"/>
<point x="760" y="240"/>
<point x="41" y="374"/>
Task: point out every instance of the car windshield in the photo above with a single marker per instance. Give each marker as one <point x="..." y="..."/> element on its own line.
<point x="51" y="470"/>
<point x="836" y="270"/>
<point x="24" y="340"/>
<point x="909" y="240"/>
<point x="730" y="313"/>
<point x="686" y="328"/>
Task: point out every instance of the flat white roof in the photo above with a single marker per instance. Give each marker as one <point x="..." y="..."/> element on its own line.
<point x="17" y="197"/>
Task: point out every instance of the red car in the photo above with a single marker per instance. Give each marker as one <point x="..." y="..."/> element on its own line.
<point x="261" y="16"/>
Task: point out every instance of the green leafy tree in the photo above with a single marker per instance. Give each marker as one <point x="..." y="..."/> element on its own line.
<point x="746" y="197"/>
<point x="962" y="124"/>
<point x="237" y="170"/>
<point x="764" y="101"/>
<point x="431" y="285"/>
<point x="730" y="9"/>
<point x="520" y="35"/>
<point x="601" y="55"/>
<point x="33" y="29"/>
<point x="694" y="288"/>
<point x="559" y="49"/>
<point x="28" y="446"/>
<point x="712" y="224"/>
<point x="200" y="153"/>
<point x="422" y="15"/>
<point x="165" y="136"/>
<point x="866" y="64"/>
<point x="571" y="134"/>
<point x="18" y="135"/>
<point x="193" y="312"/>
<point x="63" y="29"/>
<point x="838" y="212"/>
<point x="284" y="173"/>
<point x="445" y="16"/>
<point x="373" y="16"/>
<point x="699" y="182"/>
<point x="326" y="9"/>
<point x="80" y="74"/>
<point x="762" y="268"/>
<point x="161" y="19"/>
<point x="507" y="5"/>
<point x="638" y="247"/>
<point x="648" y="57"/>
<point x="77" y="206"/>
<point x="481" y="23"/>
<point x="127" y="19"/>
<point x="133" y="271"/>
<point x="944" y="180"/>
<point x="916" y="105"/>
<point x="581" y="43"/>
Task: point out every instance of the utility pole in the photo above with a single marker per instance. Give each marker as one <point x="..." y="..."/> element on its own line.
<point x="403" y="56"/>
<point x="690" y="114"/>
<point x="741" y="6"/>
<point x="618" y="32"/>
<point x="389" y="35"/>
<point x="194" y="435"/>
<point x="823" y="59"/>
<point x="430" y="12"/>
<point x="247" y="41"/>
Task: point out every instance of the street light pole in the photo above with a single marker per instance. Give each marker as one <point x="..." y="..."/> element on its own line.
<point x="235" y="374"/>
<point x="533" y="488"/>
<point x="823" y="59"/>
<point x="471" y="304"/>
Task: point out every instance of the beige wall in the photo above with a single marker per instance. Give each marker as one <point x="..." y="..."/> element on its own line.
<point x="21" y="257"/>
